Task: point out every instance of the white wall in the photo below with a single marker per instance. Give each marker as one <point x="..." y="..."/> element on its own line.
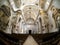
<point x="56" y="3"/>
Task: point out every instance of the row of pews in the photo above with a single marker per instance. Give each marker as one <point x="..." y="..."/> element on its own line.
<point x="19" y="39"/>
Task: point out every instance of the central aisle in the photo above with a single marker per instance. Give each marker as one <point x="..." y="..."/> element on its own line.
<point x="30" y="41"/>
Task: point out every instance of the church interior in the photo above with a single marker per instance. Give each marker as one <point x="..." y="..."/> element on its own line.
<point x="29" y="22"/>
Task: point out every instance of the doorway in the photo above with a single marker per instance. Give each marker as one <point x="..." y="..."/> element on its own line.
<point x="30" y="31"/>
